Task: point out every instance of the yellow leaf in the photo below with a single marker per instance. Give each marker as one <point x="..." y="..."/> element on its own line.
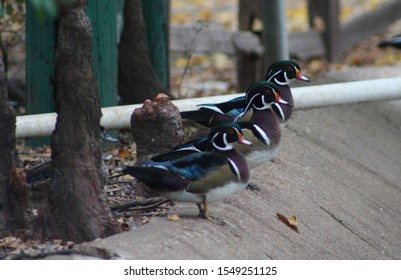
<point x="173" y="217"/>
<point x="180" y="62"/>
<point x="205" y="15"/>
<point x="180" y="19"/>
<point x="199" y="59"/>
<point x="291" y="222"/>
<point x="123" y="153"/>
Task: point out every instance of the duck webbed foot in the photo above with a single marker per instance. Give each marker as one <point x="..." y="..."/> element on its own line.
<point x="204" y="214"/>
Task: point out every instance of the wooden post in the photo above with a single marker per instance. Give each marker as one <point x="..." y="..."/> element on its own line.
<point x="248" y="65"/>
<point x="275" y="37"/>
<point x="328" y="11"/>
<point x="155" y="14"/>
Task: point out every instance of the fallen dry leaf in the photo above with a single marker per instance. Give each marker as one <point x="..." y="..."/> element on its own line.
<point x="291" y="222"/>
<point x="122" y="152"/>
<point x="173" y="217"/>
<point x="10" y="242"/>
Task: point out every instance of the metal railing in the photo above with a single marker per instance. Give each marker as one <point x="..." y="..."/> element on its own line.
<point x="118" y="117"/>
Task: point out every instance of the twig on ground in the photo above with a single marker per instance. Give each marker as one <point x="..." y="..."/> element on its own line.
<point x="145" y="204"/>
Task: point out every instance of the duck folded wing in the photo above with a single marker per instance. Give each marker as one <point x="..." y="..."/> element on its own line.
<point x="198" y="166"/>
<point x="157" y="178"/>
<point x="231" y="107"/>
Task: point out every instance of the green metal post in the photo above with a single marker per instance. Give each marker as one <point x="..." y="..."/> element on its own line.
<point x="103" y="16"/>
<point x="155" y="13"/>
<point x="40" y="47"/>
<point x="275" y="37"/>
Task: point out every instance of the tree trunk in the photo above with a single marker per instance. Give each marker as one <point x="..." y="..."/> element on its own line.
<point x="156" y="127"/>
<point x="13" y="193"/>
<point x="137" y="80"/>
<point x="76" y="210"/>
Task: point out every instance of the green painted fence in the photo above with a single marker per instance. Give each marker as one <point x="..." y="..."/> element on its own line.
<point x="155" y="14"/>
<point x="40" y="47"/>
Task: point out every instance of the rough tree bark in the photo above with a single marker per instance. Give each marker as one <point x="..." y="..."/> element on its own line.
<point x="137" y="80"/>
<point x="13" y="193"/>
<point x="75" y="209"/>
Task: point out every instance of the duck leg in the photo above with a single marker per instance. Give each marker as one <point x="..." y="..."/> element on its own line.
<point x="204" y="213"/>
<point x="204" y="209"/>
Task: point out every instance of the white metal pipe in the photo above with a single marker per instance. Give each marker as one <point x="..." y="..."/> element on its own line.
<point x="118" y="117"/>
<point x="33" y="126"/>
<point x="347" y="93"/>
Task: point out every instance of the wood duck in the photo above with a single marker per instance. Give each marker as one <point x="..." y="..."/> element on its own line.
<point x="42" y="172"/>
<point x="203" y="177"/>
<point x="261" y="123"/>
<point x="258" y="122"/>
<point x="281" y="73"/>
<point x="395" y="42"/>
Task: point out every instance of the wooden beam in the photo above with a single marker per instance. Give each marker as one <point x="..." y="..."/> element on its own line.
<point x="306" y="45"/>
<point x="206" y="39"/>
<point x="302" y="45"/>
<point x="249" y="65"/>
<point x="328" y="11"/>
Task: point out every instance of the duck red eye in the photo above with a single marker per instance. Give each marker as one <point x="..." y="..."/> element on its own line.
<point x="290" y="69"/>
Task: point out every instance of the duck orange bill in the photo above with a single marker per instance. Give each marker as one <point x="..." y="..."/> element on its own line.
<point x="242" y="140"/>
<point x="278" y="99"/>
<point x="301" y="77"/>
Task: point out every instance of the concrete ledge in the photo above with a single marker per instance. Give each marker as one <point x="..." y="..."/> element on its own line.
<point x="338" y="171"/>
